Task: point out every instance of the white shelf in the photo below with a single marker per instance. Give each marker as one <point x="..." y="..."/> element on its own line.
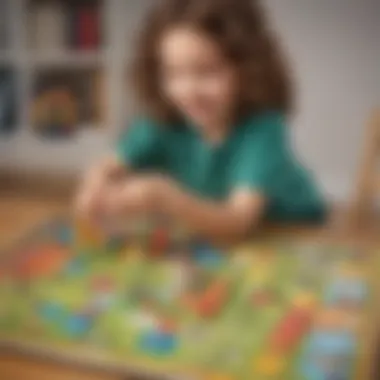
<point x="47" y="59"/>
<point x="25" y="148"/>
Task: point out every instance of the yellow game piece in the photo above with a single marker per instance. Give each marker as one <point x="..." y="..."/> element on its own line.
<point x="259" y="273"/>
<point x="305" y="300"/>
<point x="132" y="253"/>
<point x="88" y="234"/>
<point x="269" y="364"/>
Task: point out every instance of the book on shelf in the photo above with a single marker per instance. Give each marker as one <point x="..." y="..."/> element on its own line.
<point x="86" y="27"/>
<point x="47" y="25"/>
<point x="7" y="102"/>
<point x="4" y="17"/>
<point x="59" y="24"/>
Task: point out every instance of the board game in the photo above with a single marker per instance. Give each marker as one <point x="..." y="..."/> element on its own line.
<point x="266" y="310"/>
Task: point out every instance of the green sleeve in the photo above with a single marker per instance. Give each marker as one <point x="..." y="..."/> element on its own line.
<point x="140" y="146"/>
<point x="264" y="157"/>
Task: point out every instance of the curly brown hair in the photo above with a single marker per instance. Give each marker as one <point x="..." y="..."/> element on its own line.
<point x="241" y="30"/>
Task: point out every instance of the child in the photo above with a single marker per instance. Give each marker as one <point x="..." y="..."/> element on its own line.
<point x="211" y="150"/>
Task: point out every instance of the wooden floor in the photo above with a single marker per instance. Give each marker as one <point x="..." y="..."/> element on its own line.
<point x="17" y="215"/>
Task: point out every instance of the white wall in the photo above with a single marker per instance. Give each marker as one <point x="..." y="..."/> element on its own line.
<point x="336" y="54"/>
<point x="335" y="48"/>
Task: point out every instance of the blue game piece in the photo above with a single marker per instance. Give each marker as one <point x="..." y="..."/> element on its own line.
<point x="341" y="342"/>
<point x="78" y="325"/>
<point x="64" y="234"/>
<point x="346" y="290"/>
<point x="158" y="343"/>
<point x="167" y="342"/>
<point x="51" y="311"/>
<point x="76" y="266"/>
<point x="328" y="355"/>
<point x="207" y="256"/>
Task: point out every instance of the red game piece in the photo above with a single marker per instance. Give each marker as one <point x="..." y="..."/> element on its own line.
<point x="290" y="330"/>
<point x="213" y="299"/>
<point x="167" y="326"/>
<point x="43" y="261"/>
<point x="159" y="241"/>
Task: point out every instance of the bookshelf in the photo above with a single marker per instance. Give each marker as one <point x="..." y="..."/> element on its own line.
<point x="30" y="63"/>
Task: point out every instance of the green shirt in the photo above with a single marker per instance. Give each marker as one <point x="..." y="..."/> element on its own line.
<point x="256" y="155"/>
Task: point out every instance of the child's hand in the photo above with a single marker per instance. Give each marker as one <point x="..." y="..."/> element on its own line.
<point x="89" y="202"/>
<point x="139" y="195"/>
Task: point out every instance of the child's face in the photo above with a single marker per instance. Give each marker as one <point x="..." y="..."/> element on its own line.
<point x="196" y="78"/>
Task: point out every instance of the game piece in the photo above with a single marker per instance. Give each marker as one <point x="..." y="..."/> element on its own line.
<point x="159" y="241"/>
<point x="157" y="343"/>
<point x="269" y="364"/>
<point x="51" y="312"/>
<point x="328" y="354"/>
<point x="89" y="236"/>
<point x="77" y="326"/>
<point x="305" y="300"/>
<point x="167" y="326"/>
<point x="290" y="330"/>
<point x="259" y="273"/>
<point x="346" y="291"/>
<point x="207" y="256"/>
<point x="76" y="266"/>
<point x="43" y="261"/>
<point x="211" y="302"/>
<point x="65" y="234"/>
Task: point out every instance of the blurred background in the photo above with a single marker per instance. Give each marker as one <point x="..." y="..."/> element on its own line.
<point x="64" y="98"/>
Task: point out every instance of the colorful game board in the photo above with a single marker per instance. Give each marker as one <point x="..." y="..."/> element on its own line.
<point x="274" y="310"/>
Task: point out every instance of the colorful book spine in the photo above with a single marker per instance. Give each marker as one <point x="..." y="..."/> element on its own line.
<point x="88" y="31"/>
<point x="83" y="25"/>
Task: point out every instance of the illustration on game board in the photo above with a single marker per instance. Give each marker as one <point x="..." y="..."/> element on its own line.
<point x="265" y="311"/>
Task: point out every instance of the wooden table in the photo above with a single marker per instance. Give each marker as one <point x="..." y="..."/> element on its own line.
<point x="17" y="215"/>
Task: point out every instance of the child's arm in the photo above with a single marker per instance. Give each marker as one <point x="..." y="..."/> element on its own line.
<point x="230" y="220"/>
<point x="95" y="182"/>
<point x="258" y="166"/>
<point x="227" y="221"/>
<point x="138" y="147"/>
